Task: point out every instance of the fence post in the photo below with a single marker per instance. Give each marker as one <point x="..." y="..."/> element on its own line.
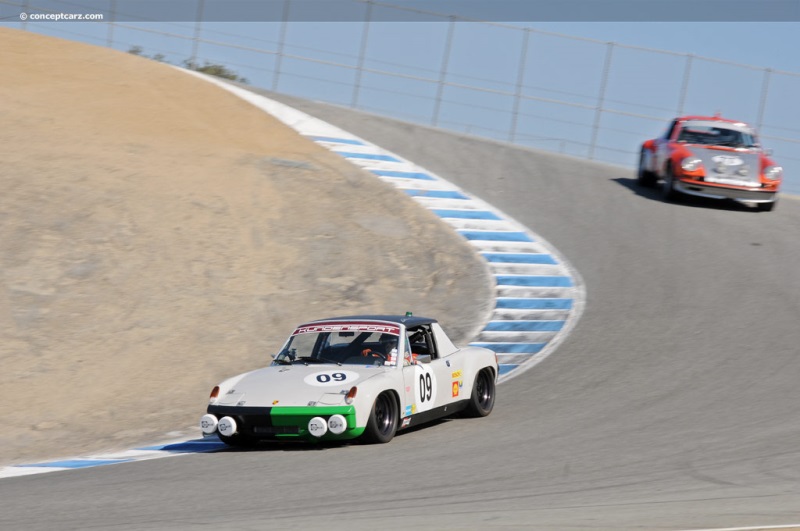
<point x="276" y="74"/>
<point x="198" y="23"/>
<point x="687" y="72"/>
<point x="443" y="71"/>
<point x="113" y="16"/>
<point x="600" y="99"/>
<point x="763" y="103"/>
<point x="523" y="59"/>
<point x="362" y="52"/>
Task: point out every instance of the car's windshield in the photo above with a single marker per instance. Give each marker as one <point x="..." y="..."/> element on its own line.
<point x="342" y="343"/>
<point x="716" y="136"/>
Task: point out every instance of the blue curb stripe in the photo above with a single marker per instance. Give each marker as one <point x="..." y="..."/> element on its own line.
<point x="506" y="368"/>
<point x="337" y="140"/>
<point x="367" y="156"/>
<point x="490" y="235"/>
<point x="519" y="258"/>
<point x="534" y="304"/>
<point x="78" y="463"/>
<point x="512" y="348"/>
<point x="466" y="214"/>
<point x="524" y="326"/>
<point x="533" y="280"/>
<point x="420" y="176"/>
<point x="196" y="445"/>
<point x="439" y="194"/>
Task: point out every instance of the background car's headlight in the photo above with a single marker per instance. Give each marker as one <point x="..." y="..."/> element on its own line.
<point x="691" y="164"/>
<point x="773" y="172"/>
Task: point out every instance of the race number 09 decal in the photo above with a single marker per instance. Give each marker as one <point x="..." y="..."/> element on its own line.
<point x="330" y="378"/>
<point x="425" y="384"/>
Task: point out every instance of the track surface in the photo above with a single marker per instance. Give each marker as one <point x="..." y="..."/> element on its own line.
<point x="673" y="405"/>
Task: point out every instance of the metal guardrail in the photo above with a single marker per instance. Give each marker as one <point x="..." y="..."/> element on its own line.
<point x="537" y="102"/>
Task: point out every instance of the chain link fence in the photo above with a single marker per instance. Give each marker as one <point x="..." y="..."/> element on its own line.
<point x="571" y="95"/>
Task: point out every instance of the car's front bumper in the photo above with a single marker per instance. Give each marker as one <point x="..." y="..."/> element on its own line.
<point x="700" y="189"/>
<point x="286" y="422"/>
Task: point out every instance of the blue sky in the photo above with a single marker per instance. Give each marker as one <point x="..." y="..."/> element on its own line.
<point x="320" y="61"/>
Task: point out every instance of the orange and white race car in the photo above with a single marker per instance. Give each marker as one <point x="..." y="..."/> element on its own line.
<point x="710" y="156"/>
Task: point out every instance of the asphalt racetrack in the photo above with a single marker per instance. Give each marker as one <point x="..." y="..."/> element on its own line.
<point x="672" y="405"/>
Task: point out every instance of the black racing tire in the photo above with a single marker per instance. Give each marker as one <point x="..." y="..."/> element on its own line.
<point x="383" y="420"/>
<point x="668" y="191"/>
<point x="766" y="207"/>
<point x="237" y="440"/>
<point x="645" y="177"/>
<point x="481" y="401"/>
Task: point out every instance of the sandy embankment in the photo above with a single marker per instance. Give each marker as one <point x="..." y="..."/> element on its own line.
<point x="158" y="234"/>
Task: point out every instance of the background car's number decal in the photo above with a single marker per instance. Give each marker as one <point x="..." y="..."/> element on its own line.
<point x="425" y="387"/>
<point x="330" y="378"/>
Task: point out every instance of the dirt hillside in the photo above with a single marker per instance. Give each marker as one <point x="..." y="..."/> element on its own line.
<point x="157" y="234"/>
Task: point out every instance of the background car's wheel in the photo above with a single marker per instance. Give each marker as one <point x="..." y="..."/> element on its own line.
<point x="238" y="440"/>
<point x="481" y="402"/>
<point x="643" y="176"/>
<point x="766" y="207"/>
<point x="668" y="191"/>
<point x="383" y="420"/>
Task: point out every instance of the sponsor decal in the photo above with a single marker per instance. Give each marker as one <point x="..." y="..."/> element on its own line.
<point x="455" y="389"/>
<point x="413" y="409"/>
<point x="406" y="422"/>
<point x="456" y="374"/>
<point x="408" y="411"/>
<point x="275" y="402"/>
<point x="348" y="327"/>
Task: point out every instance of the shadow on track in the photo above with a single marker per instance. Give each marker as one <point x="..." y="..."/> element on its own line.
<point x="691" y="201"/>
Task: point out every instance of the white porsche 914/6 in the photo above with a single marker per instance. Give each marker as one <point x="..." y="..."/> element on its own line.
<point x="354" y="377"/>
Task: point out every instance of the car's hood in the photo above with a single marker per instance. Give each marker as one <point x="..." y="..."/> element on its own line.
<point x="729" y="164"/>
<point x="296" y="385"/>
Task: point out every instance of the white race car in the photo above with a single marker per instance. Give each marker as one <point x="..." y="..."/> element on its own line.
<point x="354" y="377"/>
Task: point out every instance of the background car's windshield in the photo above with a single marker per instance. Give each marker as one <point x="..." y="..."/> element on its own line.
<point x="354" y="347"/>
<point x="716" y="136"/>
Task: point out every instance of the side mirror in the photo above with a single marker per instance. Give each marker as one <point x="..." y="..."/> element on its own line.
<point x="423" y="358"/>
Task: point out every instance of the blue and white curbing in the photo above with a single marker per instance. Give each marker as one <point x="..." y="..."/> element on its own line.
<point x="538" y="296"/>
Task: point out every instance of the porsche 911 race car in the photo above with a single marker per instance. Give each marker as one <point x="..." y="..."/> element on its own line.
<point x="354" y="377"/>
<point x="711" y="157"/>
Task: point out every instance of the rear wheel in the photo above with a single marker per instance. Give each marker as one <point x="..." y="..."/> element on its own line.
<point x="481" y="402"/>
<point x="383" y="420"/>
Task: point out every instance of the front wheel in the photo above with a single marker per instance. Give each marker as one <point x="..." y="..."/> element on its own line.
<point x="481" y="402"/>
<point x="238" y="440"/>
<point x="383" y="419"/>
<point x="645" y="177"/>
<point x="766" y="207"/>
<point x="668" y="192"/>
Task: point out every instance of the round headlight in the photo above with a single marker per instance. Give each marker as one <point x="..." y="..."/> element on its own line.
<point x="773" y="172"/>
<point x="208" y="424"/>
<point x="317" y="427"/>
<point x="691" y="164"/>
<point x="337" y="424"/>
<point x="227" y="426"/>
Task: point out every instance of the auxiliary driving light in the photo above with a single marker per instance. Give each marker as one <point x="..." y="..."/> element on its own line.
<point x="337" y="424"/>
<point x="208" y="424"/>
<point x="317" y="427"/>
<point x="227" y="426"/>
